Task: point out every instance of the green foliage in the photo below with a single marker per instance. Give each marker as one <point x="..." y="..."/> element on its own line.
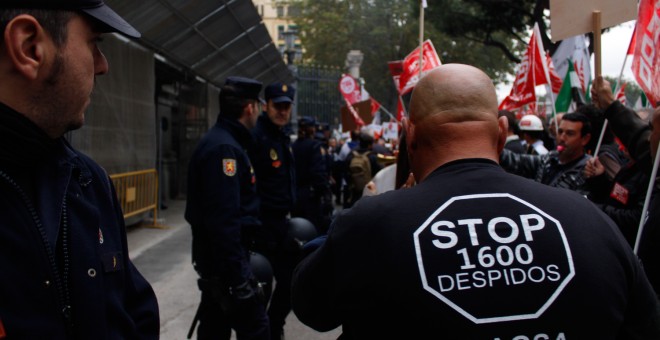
<point x="387" y="30"/>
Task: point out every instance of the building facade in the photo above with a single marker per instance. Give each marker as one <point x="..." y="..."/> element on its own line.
<point x="278" y="17"/>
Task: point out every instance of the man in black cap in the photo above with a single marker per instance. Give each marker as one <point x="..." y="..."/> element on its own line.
<point x="312" y="180"/>
<point x="273" y="165"/>
<point x="63" y="251"/>
<point x="222" y="209"/>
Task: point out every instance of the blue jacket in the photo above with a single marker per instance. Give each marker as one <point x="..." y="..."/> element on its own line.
<point x="273" y="164"/>
<point x="63" y="250"/>
<point x="222" y="206"/>
<point x="311" y="172"/>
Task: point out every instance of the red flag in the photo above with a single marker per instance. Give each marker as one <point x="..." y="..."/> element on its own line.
<point x="410" y="75"/>
<point x="646" y="63"/>
<point x="375" y="106"/>
<point x="621" y="94"/>
<point x="555" y="79"/>
<point x="532" y="71"/>
<point x="356" y="117"/>
<point x="350" y="89"/>
<point x="631" y="47"/>
<point x="396" y="68"/>
<point x="579" y="70"/>
<point x="399" y="110"/>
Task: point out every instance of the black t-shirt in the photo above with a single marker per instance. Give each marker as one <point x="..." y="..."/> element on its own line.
<point x="475" y="253"/>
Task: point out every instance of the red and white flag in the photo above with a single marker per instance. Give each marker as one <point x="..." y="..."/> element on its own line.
<point x="396" y="68"/>
<point x="621" y="94"/>
<point x="633" y="40"/>
<point x="350" y="89"/>
<point x="555" y="79"/>
<point x="646" y="61"/>
<point x="573" y="50"/>
<point x="410" y="73"/>
<point x="375" y="106"/>
<point x="532" y="71"/>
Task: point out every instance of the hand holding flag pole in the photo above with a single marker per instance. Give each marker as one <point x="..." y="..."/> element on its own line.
<point x="617" y="87"/>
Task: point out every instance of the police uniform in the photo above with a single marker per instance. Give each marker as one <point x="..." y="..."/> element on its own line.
<point x="489" y="256"/>
<point x="64" y="259"/>
<point x="273" y="164"/>
<point x="222" y="208"/>
<point x="312" y="185"/>
<point x="63" y="251"/>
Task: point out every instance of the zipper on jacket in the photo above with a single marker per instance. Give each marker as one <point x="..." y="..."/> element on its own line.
<point x="62" y="287"/>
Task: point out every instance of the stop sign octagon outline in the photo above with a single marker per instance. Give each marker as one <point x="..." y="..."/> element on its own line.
<point x="463" y="312"/>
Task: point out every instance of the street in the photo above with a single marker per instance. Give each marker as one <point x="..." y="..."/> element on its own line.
<point x="163" y="255"/>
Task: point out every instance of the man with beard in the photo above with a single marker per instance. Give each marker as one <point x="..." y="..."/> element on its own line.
<point x="63" y="251"/>
<point x="561" y="168"/>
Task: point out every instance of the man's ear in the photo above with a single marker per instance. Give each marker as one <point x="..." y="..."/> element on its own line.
<point x="585" y="139"/>
<point x="26" y="43"/>
<point x="503" y="124"/>
<point x="409" y="127"/>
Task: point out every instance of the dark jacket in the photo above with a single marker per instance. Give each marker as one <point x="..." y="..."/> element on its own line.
<point x="634" y="134"/>
<point x="622" y="199"/>
<point x="273" y="164"/>
<point x="222" y="206"/>
<point x="546" y="169"/>
<point x="489" y="255"/>
<point x="63" y="248"/>
<point x="311" y="171"/>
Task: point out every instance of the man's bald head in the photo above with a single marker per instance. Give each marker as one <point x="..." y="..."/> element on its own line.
<point x="456" y="93"/>
<point x="453" y="115"/>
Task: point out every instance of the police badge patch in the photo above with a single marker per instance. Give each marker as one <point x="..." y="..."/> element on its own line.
<point x="229" y="166"/>
<point x="273" y="154"/>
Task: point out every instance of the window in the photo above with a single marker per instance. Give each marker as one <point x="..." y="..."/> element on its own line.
<point x="280" y="11"/>
<point x="280" y="32"/>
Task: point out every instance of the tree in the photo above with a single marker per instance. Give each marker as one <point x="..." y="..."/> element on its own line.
<point x="387" y="30"/>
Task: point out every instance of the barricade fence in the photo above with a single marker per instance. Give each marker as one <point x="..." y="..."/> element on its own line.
<point x="137" y="192"/>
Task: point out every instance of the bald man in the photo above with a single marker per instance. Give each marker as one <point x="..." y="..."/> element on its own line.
<point x="472" y="252"/>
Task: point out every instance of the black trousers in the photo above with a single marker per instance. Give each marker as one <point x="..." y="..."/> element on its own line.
<point x="249" y="321"/>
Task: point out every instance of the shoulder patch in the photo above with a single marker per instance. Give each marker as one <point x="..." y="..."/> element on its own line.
<point x="229" y="166"/>
<point x="273" y="154"/>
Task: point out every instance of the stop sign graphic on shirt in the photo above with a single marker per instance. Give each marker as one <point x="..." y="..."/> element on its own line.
<point x="493" y="257"/>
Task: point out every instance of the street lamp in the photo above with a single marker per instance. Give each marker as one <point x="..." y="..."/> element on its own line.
<point x="290" y="51"/>
<point x="289" y="45"/>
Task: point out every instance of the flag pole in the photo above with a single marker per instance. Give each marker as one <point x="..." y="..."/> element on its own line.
<point x="647" y="200"/>
<point x="421" y="36"/>
<point x="616" y="90"/>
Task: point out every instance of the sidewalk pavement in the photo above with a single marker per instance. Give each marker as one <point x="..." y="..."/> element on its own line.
<point x="162" y="253"/>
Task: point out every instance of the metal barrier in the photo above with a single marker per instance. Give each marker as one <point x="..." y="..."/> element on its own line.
<point x="137" y="192"/>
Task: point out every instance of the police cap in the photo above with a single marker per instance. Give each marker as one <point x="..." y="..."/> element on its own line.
<point x="279" y="93"/>
<point x="96" y="9"/>
<point x="306" y="121"/>
<point x="242" y="87"/>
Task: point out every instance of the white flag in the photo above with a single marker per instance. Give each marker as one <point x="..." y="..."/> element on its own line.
<point x="574" y="49"/>
<point x="424" y="5"/>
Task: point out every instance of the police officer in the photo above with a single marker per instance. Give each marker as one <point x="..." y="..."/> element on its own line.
<point x="312" y="185"/>
<point x="472" y="251"/>
<point x="65" y="270"/>
<point x="222" y="209"/>
<point x="273" y="166"/>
